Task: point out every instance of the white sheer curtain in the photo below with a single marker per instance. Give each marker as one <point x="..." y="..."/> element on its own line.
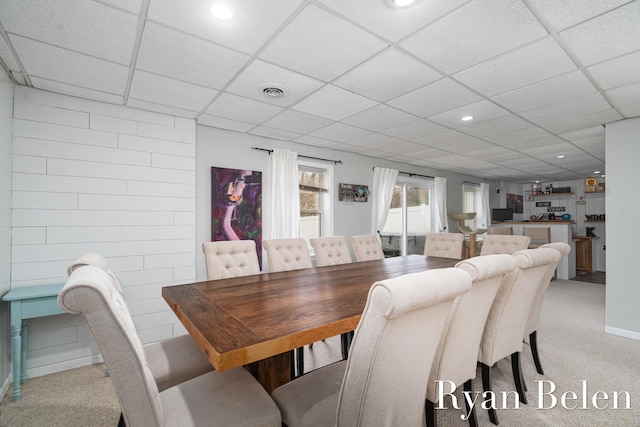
<point x="285" y="195"/>
<point x="483" y="217"/>
<point x="439" y="206"/>
<point x="384" y="180"/>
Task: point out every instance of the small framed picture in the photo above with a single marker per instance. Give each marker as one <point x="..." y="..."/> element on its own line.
<point x="528" y="195"/>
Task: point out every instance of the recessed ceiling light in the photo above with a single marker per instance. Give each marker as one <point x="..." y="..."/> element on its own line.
<point x="398" y="4"/>
<point x="221" y="11"/>
<point x="466" y="118"/>
<point x="602" y="176"/>
<point x="597" y="172"/>
<point x="561" y="156"/>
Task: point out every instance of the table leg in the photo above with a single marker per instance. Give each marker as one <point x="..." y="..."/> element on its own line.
<point x="16" y="349"/>
<point x="273" y="371"/>
<point x="23" y="352"/>
<point x="472" y="245"/>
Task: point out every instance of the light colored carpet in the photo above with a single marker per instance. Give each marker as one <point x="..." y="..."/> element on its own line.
<point x="571" y="340"/>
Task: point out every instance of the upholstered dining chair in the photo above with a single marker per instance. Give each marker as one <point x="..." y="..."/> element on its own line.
<point x="444" y="245"/>
<point x="232" y="397"/>
<point x="457" y="356"/>
<point x="504" y="329"/>
<point x="539" y="236"/>
<point x="331" y="250"/>
<point x="230" y="258"/>
<point x="384" y="380"/>
<point x="366" y="247"/>
<point x="501" y="230"/>
<point x="287" y="254"/>
<point x="502" y="244"/>
<point x="171" y="361"/>
<point x="533" y="321"/>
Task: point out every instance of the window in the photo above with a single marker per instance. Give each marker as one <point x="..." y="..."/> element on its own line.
<point x="470" y="202"/>
<point x="409" y="218"/>
<point x="316" y="211"/>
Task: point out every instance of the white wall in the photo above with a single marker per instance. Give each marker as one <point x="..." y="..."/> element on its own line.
<point x="623" y="204"/>
<point x="6" y="125"/>
<point x="95" y="177"/>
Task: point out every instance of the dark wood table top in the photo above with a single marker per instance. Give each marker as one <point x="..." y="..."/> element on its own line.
<point x="246" y="319"/>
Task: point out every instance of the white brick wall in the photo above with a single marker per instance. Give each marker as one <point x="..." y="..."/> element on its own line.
<point x="95" y="177"/>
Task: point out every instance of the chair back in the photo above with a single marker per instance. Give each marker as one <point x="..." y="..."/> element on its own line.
<point x="501" y="244"/>
<point x="457" y="354"/>
<point x="89" y="292"/>
<point x="230" y="258"/>
<point x="539" y="236"/>
<point x="99" y="261"/>
<point x="393" y="348"/>
<point x="536" y="307"/>
<point x="331" y="250"/>
<point x="501" y="230"/>
<point x="287" y="254"/>
<point x="509" y="312"/>
<point x="444" y="245"/>
<point x="366" y="247"/>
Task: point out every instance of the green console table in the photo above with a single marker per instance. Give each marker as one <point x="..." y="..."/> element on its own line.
<point x="27" y="303"/>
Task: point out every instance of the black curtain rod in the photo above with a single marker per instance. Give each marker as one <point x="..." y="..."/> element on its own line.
<point x="415" y="174"/>
<point x="335" y="162"/>
<point x="471" y="183"/>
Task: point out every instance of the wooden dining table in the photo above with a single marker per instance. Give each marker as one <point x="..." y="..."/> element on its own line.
<point x="255" y="321"/>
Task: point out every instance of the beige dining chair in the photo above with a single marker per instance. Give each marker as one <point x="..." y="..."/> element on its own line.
<point x="227" y="398"/>
<point x="171" y="361"/>
<point x="502" y="244"/>
<point x="331" y="250"/>
<point x="230" y="258"/>
<point x="384" y="380"/>
<point x="504" y="329"/>
<point x="538" y="235"/>
<point x="457" y="356"/>
<point x="533" y="321"/>
<point x="366" y="247"/>
<point x="287" y="254"/>
<point x="501" y="230"/>
<point x="444" y="245"/>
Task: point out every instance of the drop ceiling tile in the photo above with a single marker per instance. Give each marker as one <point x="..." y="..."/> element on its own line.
<point x="497" y="126"/>
<point x="130" y="5"/>
<point x="403" y="147"/>
<point x="430" y="153"/>
<point x="524" y="66"/>
<point x="78" y="92"/>
<point x="184" y="57"/>
<point x="295" y="121"/>
<point x="493" y="154"/>
<point x="434" y="98"/>
<point x="476" y="32"/>
<point x="594" y="131"/>
<point x="550" y="91"/>
<point x="607" y="36"/>
<point x="549" y="152"/>
<point x="254" y="21"/>
<point x="260" y="74"/>
<point x="334" y="103"/>
<point x="317" y="142"/>
<point x="64" y="66"/>
<point x="340" y="132"/>
<point x="519" y="135"/>
<point x="414" y="130"/>
<point x="160" y="108"/>
<point x="241" y="109"/>
<point x="625" y="95"/>
<point x="480" y="110"/>
<point x="387" y="75"/>
<point x="608" y="74"/>
<point x="572" y="107"/>
<point x="631" y="110"/>
<point x="375" y="141"/>
<point x="144" y="86"/>
<point x="223" y="123"/>
<point x="392" y="23"/>
<point x="578" y="122"/>
<point x="379" y="118"/>
<point x="274" y="133"/>
<point x="300" y="48"/>
<point x="538" y="142"/>
<point x="567" y="13"/>
<point x="453" y="140"/>
<point x="7" y="56"/>
<point x="87" y="27"/>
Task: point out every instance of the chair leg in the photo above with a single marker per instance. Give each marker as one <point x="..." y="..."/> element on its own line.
<point x="486" y="385"/>
<point x="430" y="413"/>
<point x="471" y="412"/>
<point x="300" y="354"/>
<point x="292" y="366"/>
<point x="516" y="368"/>
<point x="533" y="342"/>
<point x="345" y="343"/>
<point x="121" y="421"/>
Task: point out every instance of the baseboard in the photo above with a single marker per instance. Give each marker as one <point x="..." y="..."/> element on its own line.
<point x="5" y="386"/>
<point x="64" y="366"/>
<point x="622" y="333"/>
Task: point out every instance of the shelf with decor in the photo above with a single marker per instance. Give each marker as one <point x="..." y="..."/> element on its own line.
<point x="552" y="195"/>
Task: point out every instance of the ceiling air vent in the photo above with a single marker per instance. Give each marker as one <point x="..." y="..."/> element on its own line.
<point x="271" y="90"/>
